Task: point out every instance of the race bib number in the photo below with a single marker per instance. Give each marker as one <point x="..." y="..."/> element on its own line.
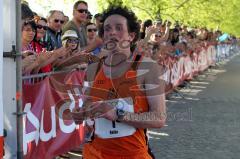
<point x="111" y="129"/>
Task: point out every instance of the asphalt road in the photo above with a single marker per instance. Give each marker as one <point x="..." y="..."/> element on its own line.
<point x="206" y="124"/>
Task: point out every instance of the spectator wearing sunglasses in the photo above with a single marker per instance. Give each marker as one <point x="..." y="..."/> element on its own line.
<point x="39" y="46"/>
<point x="156" y="40"/>
<point x="41" y="26"/>
<point x="80" y="14"/>
<point x="53" y="34"/>
<point x="78" y="23"/>
<point x="91" y="37"/>
<point x="70" y="40"/>
<point x="91" y="32"/>
<point x="75" y="59"/>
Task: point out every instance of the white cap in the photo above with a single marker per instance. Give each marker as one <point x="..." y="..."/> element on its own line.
<point x="69" y="33"/>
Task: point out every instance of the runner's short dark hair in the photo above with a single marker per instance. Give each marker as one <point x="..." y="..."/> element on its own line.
<point x="133" y="25"/>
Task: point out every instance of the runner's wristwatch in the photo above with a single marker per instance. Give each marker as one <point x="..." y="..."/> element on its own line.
<point x="120" y="114"/>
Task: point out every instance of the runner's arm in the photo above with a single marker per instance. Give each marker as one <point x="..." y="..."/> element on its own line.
<point x="154" y="89"/>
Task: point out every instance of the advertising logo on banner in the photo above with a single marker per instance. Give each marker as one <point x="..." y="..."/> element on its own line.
<point x="48" y="126"/>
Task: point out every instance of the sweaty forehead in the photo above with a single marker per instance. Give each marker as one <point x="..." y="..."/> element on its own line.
<point x="115" y="20"/>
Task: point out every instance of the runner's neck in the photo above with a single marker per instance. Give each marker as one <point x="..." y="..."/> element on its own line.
<point x="118" y="70"/>
<point x="116" y="60"/>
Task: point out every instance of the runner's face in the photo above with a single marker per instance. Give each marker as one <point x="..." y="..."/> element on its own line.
<point x="116" y="29"/>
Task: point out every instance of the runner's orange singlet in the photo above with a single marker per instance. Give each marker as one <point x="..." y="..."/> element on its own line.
<point x="128" y="147"/>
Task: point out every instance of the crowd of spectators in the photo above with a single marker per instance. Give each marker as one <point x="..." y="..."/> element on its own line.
<point x="55" y="43"/>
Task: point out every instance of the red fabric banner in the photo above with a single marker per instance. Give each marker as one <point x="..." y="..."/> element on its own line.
<point x="184" y="67"/>
<point x="1" y="147"/>
<point x="48" y="127"/>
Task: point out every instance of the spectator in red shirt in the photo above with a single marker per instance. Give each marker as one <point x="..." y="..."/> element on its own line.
<point x="38" y="45"/>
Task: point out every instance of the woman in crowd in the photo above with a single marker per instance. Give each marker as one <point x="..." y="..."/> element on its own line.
<point x="71" y="42"/>
<point x="33" y="57"/>
<point x="75" y="58"/>
<point x="28" y="33"/>
<point x="91" y="32"/>
<point x="38" y="45"/>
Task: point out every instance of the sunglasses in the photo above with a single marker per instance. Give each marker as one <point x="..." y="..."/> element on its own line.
<point x="57" y="21"/>
<point x="74" y="41"/>
<point x="82" y="11"/>
<point x="42" y="27"/>
<point x="91" y="30"/>
<point x="157" y="35"/>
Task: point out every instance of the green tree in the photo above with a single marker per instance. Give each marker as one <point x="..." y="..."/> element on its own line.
<point x="213" y="14"/>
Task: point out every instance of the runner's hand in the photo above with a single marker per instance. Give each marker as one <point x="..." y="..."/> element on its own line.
<point x="104" y="110"/>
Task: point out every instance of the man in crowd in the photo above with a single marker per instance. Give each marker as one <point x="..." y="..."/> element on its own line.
<point x="80" y="13"/>
<point x="78" y="23"/>
<point x="53" y="34"/>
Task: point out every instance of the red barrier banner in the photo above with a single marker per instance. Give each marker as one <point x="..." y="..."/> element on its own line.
<point x="211" y="56"/>
<point x="1" y="147"/>
<point x="48" y="129"/>
<point x="181" y="71"/>
<point x="202" y="61"/>
<point x="195" y="63"/>
<point x="188" y="68"/>
<point x="175" y="71"/>
<point x="178" y="69"/>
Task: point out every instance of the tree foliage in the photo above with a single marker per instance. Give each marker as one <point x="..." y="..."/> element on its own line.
<point x="213" y="14"/>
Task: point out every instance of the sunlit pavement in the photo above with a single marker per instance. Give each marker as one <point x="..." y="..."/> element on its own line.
<point x="206" y="123"/>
